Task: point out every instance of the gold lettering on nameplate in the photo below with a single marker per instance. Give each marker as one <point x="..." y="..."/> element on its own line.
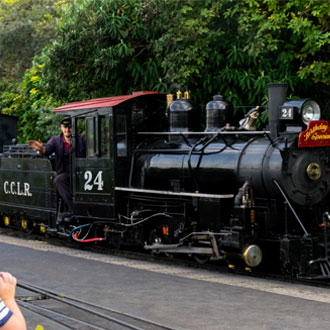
<point x="316" y="135"/>
<point x="315" y="129"/>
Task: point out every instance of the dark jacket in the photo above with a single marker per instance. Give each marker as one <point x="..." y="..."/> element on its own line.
<point x="55" y="144"/>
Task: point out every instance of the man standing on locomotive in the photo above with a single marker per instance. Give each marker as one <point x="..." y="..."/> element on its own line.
<point x="61" y="145"/>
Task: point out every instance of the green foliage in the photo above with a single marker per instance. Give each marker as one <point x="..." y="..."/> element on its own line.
<point x="26" y="26"/>
<point x="298" y="32"/>
<point x="112" y="47"/>
<point x="31" y="105"/>
<point x="237" y="47"/>
<point x="103" y="48"/>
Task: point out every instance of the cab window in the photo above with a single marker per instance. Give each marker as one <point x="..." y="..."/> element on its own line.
<point x="104" y="125"/>
<point x="80" y="127"/>
<point x="90" y="137"/>
<point x="121" y="135"/>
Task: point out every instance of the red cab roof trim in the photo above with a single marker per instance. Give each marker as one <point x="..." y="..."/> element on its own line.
<point x="103" y="102"/>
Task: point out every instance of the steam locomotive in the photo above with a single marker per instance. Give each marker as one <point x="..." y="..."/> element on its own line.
<point x="152" y="178"/>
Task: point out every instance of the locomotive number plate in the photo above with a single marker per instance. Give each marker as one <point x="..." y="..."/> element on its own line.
<point x="286" y="113"/>
<point x="91" y="181"/>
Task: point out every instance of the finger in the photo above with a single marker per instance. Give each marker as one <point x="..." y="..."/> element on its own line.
<point x="4" y="276"/>
<point x="8" y="278"/>
<point x="12" y="280"/>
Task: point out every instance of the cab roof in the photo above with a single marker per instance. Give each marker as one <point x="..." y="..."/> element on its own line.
<point x="105" y="102"/>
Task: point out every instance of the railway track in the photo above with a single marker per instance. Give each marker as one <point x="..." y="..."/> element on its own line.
<point x="214" y="267"/>
<point x="78" y="314"/>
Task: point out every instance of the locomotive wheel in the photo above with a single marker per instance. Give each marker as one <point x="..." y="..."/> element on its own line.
<point x="201" y="259"/>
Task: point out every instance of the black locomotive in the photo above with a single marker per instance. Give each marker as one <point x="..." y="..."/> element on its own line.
<point x="153" y="178"/>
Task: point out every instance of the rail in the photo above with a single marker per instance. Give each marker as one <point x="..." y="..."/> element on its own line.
<point x="94" y="316"/>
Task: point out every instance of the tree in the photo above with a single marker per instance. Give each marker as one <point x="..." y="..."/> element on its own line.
<point x="32" y="105"/>
<point x="236" y="47"/>
<point x="112" y="47"/>
<point x="103" y="48"/>
<point x="26" y="26"/>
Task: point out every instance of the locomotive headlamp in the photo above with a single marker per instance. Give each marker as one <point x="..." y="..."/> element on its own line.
<point x="300" y="110"/>
<point x="310" y="111"/>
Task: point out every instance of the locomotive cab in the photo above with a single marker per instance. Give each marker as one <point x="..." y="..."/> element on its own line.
<point x="109" y="125"/>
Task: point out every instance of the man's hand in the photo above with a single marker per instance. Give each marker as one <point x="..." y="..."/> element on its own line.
<point x="37" y="145"/>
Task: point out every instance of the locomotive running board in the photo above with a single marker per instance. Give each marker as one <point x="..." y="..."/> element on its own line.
<point x="173" y="193"/>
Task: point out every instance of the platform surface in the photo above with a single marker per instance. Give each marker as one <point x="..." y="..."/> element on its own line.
<point x="175" y="296"/>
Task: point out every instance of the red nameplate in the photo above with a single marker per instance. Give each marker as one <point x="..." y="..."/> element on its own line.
<point x="317" y="134"/>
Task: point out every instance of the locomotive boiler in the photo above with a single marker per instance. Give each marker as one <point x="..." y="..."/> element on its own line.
<point x="153" y="178"/>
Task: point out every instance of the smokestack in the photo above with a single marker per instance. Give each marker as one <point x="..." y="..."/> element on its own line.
<point x="276" y="97"/>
